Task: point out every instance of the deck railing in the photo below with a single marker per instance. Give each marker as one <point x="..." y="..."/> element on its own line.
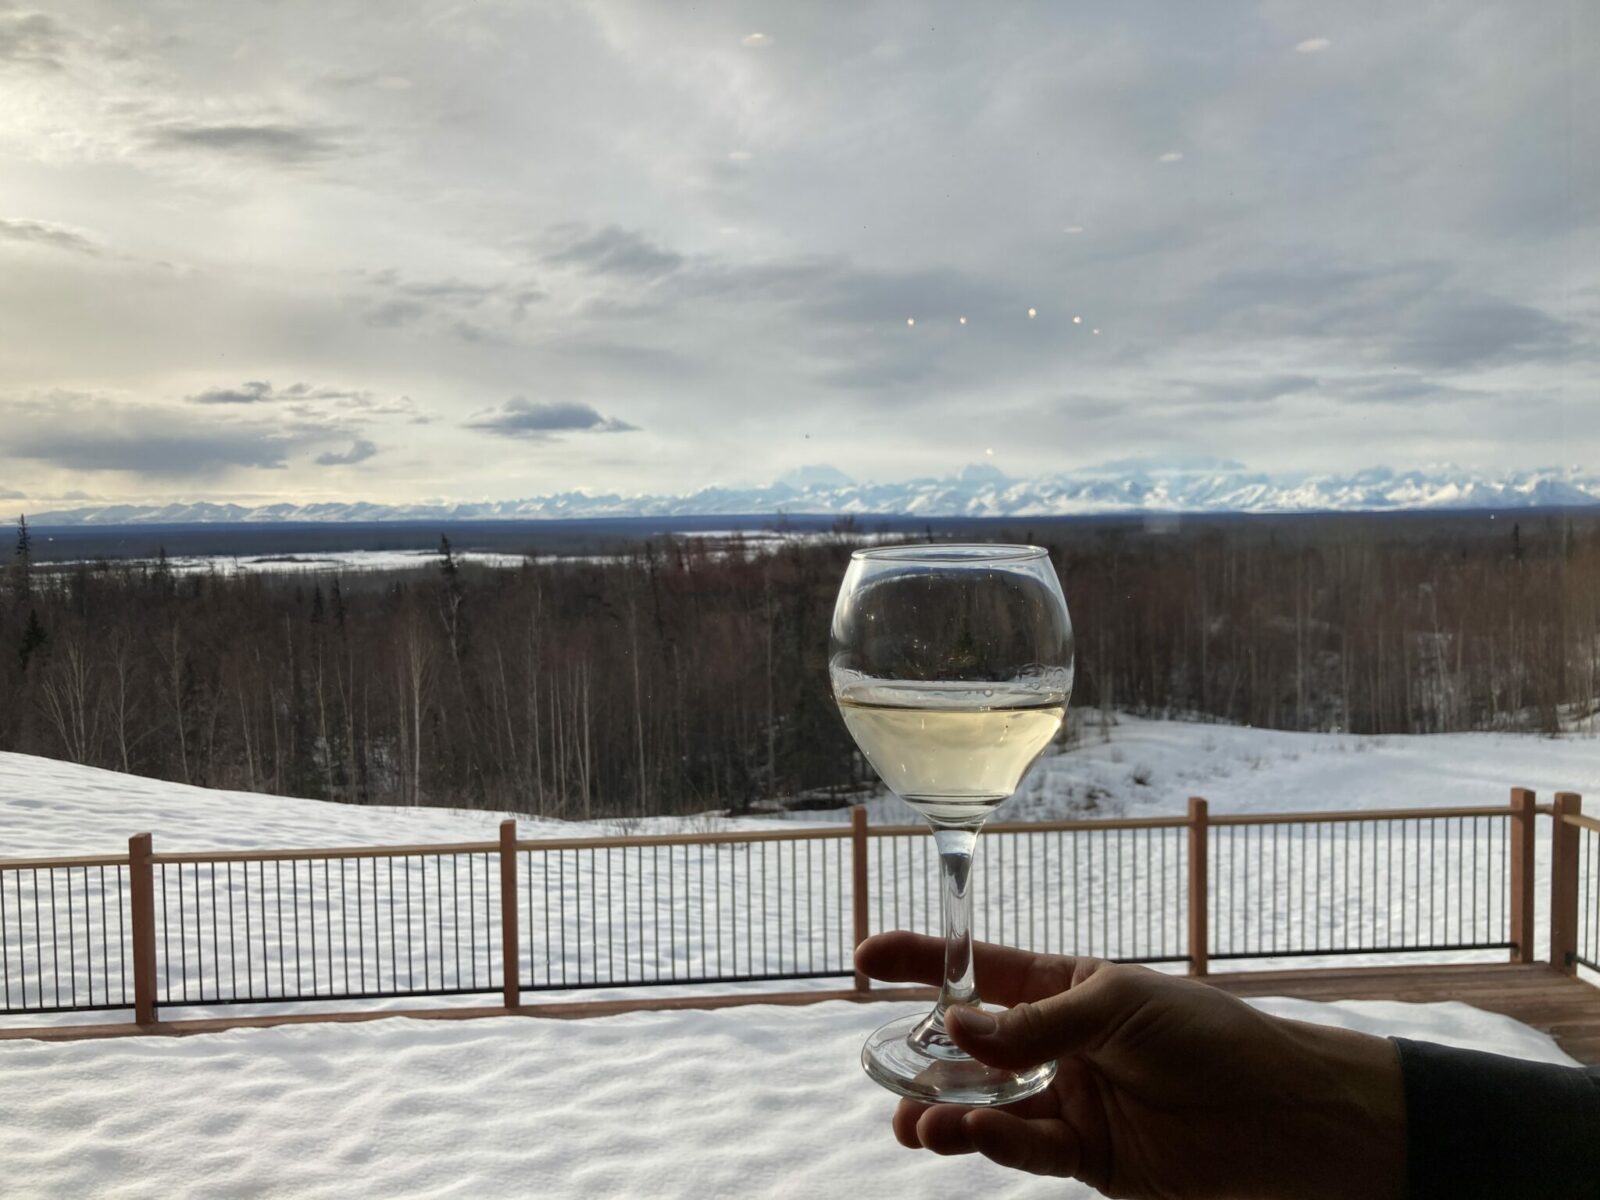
<point x="156" y="931"/>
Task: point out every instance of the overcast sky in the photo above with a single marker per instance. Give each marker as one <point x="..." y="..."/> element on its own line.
<point x="394" y="251"/>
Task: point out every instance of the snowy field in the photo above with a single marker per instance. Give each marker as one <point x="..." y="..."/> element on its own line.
<point x="762" y="1100"/>
<point x="1135" y="767"/>
<point x="309" y="563"/>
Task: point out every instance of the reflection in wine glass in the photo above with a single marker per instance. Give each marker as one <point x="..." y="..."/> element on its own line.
<point x="952" y="666"/>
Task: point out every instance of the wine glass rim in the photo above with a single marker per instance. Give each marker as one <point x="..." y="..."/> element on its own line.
<point x="945" y="553"/>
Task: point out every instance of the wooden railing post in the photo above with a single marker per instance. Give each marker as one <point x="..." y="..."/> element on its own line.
<point x="1199" y="885"/>
<point x="1522" y="875"/>
<point x="858" y="884"/>
<point x="1564" y="884"/>
<point x="142" y="918"/>
<point x="510" y="943"/>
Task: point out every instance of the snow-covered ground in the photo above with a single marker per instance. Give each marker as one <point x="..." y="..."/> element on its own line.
<point x="760" y="1101"/>
<point x="311" y="562"/>
<point x="1135" y="767"/>
<point x="763" y="1100"/>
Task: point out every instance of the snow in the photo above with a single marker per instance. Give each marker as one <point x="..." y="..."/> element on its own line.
<point x="338" y="562"/>
<point x="759" y="1101"/>
<point x="747" y="1101"/>
<point x="1137" y="767"/>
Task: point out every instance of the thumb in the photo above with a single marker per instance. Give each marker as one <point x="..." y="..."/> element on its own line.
<point x="1030" y="1033"/>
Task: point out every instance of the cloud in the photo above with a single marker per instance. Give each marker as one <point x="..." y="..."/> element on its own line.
<point x="360" y="450"/>
<point x="391" y="314"/>
<point x="254" y="391"/>
<point x="610" y="251"/>
<point x="171" y="453"/>
<point x="32" y="39"/>
<point x="314" y="402"/>
<point x="86" y="431"/>
<point x="444" y="304"/>
<point x="1249" y="390"/>
<point x="755" y="41"/>
<point x="43" y="233"/>
<point x="283" y="145"/>
<point x="12" y="494"/>
<point x="454" y="290"/>
<point x="1171" y="156"/>
<point x="1312" y="45"/>
<point x="523" y="418"/>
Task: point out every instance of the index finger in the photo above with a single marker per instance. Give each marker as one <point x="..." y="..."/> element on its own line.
<point x="1005" y="975"/>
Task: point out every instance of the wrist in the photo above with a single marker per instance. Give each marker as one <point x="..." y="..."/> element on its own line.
<point x="1349" y="1114"/>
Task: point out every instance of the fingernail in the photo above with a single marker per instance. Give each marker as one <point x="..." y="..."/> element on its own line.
<point x="973" y="1020"/>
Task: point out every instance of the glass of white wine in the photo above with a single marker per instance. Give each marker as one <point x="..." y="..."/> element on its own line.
<point x="952" y="666"/>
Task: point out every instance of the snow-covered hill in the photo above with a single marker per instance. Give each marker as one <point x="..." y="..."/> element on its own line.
<point x="1133" y="767"/>
<point x="977" y="491"/>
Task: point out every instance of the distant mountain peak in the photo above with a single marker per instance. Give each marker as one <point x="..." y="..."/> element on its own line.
<point x="815" y="475"/>
<point x="977" y="490"/>
<point x="980" y="473"/>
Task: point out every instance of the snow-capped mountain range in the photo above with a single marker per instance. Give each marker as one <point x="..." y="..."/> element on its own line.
<point x="1201" y="486"/>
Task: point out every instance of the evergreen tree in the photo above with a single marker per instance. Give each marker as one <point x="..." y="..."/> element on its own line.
<point x="163" y="571"/>
<point x="24" y="557"/>
<point x="34" y="638"/>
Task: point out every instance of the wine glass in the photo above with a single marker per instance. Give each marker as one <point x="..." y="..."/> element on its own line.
<point x="952" y="666"/>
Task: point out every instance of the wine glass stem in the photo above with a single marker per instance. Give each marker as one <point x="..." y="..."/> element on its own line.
<point x="957" y="847"/>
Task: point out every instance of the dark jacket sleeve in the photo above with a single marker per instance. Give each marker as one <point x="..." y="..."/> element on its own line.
<point x="1487" y="1125"/>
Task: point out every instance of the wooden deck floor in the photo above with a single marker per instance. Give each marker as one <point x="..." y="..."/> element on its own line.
<point x="1535" y="994"/>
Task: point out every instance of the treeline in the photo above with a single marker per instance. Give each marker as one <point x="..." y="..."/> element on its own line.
<point x="681" y="676"/>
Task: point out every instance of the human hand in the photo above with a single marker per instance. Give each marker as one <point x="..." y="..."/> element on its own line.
<point x="1165" y="1087"/>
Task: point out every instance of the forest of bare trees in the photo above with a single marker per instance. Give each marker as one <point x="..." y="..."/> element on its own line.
<point x="681" y="676"/>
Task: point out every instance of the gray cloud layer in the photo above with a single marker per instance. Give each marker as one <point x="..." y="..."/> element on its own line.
<point x="521" y="418"/>
<point x="40" y="233"/>
<point x="281" y="144"/>
<point x="1298" y="236"/>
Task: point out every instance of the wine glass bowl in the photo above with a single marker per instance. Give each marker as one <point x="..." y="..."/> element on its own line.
<point x="952" y="667"/>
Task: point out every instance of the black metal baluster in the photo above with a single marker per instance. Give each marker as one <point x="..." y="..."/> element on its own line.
<point x="166" y="924"/>
<point x="344" y="923"/>
<point x="311" y="917"/>
<point x="294" y="900"/>
<point x="327" y="910"/>
<point x="561" y="884"/>
<point x="5" y="951"/>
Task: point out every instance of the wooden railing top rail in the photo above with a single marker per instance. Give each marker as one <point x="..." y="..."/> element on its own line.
<point x="1042" y="826"/>
<point x="687" y="839"/>
<point x="317" y="854"/>
<point x="63" y="860"/>
<point x="1581" y="821"/>
<point x="1371" y="814"/>
<point x="831" y="833"/>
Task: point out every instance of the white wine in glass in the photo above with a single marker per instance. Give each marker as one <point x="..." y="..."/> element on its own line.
<point x="952" y="667"/>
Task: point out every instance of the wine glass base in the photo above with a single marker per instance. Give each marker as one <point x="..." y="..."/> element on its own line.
<point x="939" y="1073"/>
